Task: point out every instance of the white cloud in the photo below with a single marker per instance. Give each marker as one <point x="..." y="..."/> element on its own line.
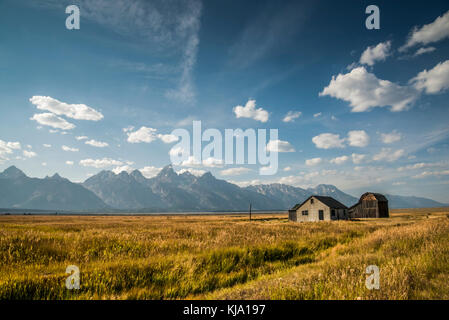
<point x="358" y="138"/>
<point x="97" y="144"/>
<point x="168" y="138"/>
<point x="376" y="53"/>
<point x="65" y="148"/>
<point x="364" y="91"/>
<point x="250" y="111"/>
<point x="234" y="171"/>
<point x="316" y="115"/>
<point x="74" y="111"/>
<point x="144" y="134"/>
<point x="150" y="171"/>
<point x="195" y="172"/>
<point x="46" y="145"/>
<point x="147" y="135"/>
<point x="399" y="183"/>
<point x="426" y="174"/>
<point x="433" y="81"/>
<point x="286" y="169"/>
<point x="387" y="154"/>
<point x="291" y="116"/>
<point x="7" y="148"/>
<point x="51" y="120"/>
<point x="44" y="164"/>
<point x="100" y="163"/>
<point x="339" y="160"/>
<point x="429" y="33"/>
<point x="422" y="51"/>
<point x="81" y="138"/>
<point x="29" y="154"/>
<point x="193" y="162"/>
<point x="128" y="129"/>
<point x="212" y="162"/>
<point x="313" y="162"/>
<point x="69" y="163"/>
<point x="328" y="141"/>
<point x="120" y="169"/>
<point x="392" y="137"/>
<point x="421" y="165"/>
<point x="279" y="146"/>
<point x="358" y="158"/>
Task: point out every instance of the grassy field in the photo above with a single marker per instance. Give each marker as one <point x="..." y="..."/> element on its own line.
<point x="225" y="257"/>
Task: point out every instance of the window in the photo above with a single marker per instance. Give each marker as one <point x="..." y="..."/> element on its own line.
<point x="311" y="201"/>
<point x="333" y="213"/>
<point x="305" y="212"/>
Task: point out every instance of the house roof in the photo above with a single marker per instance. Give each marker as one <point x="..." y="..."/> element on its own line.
<point x="328" y="201"/>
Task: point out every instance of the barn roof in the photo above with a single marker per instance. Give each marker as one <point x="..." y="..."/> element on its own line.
<point x="328" y="201"/>
<point x="378" y="196"/>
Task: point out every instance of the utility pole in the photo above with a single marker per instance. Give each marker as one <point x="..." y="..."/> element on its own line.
<point x="250" y="212"/>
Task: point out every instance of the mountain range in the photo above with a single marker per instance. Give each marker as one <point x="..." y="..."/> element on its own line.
<point x="167" y="191"/>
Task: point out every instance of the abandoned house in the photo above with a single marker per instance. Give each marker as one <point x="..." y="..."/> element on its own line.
<point x="318" y="208"/>
<point x="370" y="205"/>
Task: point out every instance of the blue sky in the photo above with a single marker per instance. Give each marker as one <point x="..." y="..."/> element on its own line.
<point x="368" y="108"/>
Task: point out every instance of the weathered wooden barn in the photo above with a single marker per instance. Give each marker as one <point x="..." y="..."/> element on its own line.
<point x="318" y="208"/>
<point x="370" y="205"/>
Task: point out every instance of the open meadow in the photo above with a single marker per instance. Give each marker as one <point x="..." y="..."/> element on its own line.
<point x="225" y="257"/>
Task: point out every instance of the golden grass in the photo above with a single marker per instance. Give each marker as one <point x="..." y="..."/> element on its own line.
<point x="224" y="257"/>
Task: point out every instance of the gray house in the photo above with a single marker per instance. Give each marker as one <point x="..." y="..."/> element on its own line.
<point x="318" y="208"/>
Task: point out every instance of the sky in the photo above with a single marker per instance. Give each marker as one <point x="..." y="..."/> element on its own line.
<point x="365" y="110"/>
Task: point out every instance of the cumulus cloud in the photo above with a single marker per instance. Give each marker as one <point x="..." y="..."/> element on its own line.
<point x="279" y="146"/>
<point x="234" y="171"/>
<point x="100" y="163"/>
<point x="376" y="53"/>
<point x="250" y="111"/>
<point x="120" y="169"/>
<point x="387" y="154"/>
<point x="65" y="148"/>
<point x="150" y="171"/>
<point x="46" y="145"/>
<point x="434" y="81"/>
<point x="392" y="137"/>
<point x="328" y="141"/>
<point x="96" y="143"/>
<point x="144" y="134"/>
<point x="168" y="138"/>
<point x="316" y="115"/>
<point x="74" y="111"/>
<point x="69" y="163"/>
<point x="195" y="172"/>
<point x="426" y="174"/>
<point x="291" y="116"/>
<point x="313" y="162"/>
<point x="364" y="91"/>
<point x="147" y="135"/>
<point x="29" y="154"/>
<point x="358" y="158"/>
<point x="81" y="138"/>
<point x="191" y="161"/>
<point x="339" y="160"/>
<point x="358" y="138"/>
<point x="52" y="120"/>
<point x="429" y="33"/>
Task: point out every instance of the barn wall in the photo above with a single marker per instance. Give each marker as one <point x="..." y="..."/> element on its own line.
<point x="313" y="211"/>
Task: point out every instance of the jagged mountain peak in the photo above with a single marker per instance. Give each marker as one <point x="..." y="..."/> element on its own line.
<point x="12" y="172"/>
